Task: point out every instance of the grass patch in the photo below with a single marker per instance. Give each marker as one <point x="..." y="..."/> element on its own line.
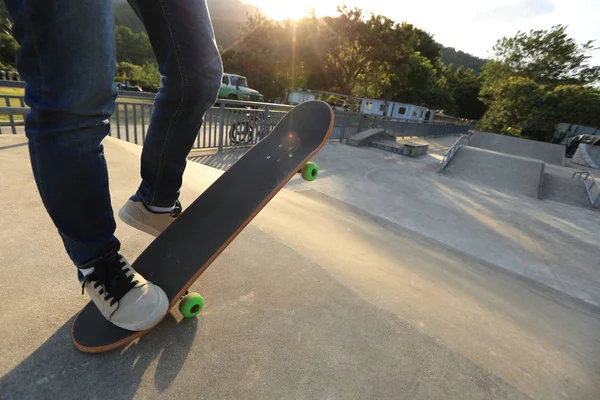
<point x="20" y="92"/>
<point x="8" y="91"/>
<point x="12" y="102"/>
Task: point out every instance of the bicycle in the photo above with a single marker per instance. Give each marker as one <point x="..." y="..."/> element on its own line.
<point x="243" y="132"/>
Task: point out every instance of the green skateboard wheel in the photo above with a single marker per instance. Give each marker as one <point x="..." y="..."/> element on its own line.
<point x="310" y="171"/>
<point x="191" y="304"/>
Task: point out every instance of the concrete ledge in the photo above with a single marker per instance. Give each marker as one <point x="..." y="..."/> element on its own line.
<point x="388" y="145"/>
<point x="503" y="172"/>
<point x="410" y="149"/>
<point x="547" y="152"/>
<point x="365" y="137"/>
<point x="413" y="149"/>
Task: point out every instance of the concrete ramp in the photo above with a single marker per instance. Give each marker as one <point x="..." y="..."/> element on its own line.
<point x="564" y="189"/>
<point x="587" y="155"/>
<point x="365" y="137"/>
<point x="547" y="152"/>
<point x="503" y="172"/>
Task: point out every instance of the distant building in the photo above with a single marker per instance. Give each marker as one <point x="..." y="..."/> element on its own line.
<point x="394" y="110"/>
<point x="296" y="97"/>
<point x="363" y="105"/>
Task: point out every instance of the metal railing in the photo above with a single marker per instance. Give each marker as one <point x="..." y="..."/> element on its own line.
<point x="462" y="141"/>
<point x="590" y="186"/>
<point x="12" y="106"/>
<point x="227" y="124"/>
<point x="233" y="123"/>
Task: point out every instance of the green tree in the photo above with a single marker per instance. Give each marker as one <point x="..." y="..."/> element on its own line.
<point x="256" y="55"/>
<point x="376" y="57"/>
<point x="413" y="80"/>
<point x="315" y="39"/>
<point x="578" y="104"/>
<point x="146" y="76"/>
<point x="548" y="57"/>
<point x="125" y="16"/>
<point x="267" y="54"/>
<point x="133" y="47"/>
<point x="537" y="80"/>
<point x="126" y="71"/>
<point x="428" y="47"/>
<point x="517" y="101"/>
<point x="358" y="46"/>
<point x="457" y="58"/>
<point x="8" y="50"/>
<point x="8" y="45"/>
<point x="464" y="85"/>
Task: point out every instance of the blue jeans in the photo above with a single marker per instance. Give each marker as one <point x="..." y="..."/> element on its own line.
<point x="67" y="59"/>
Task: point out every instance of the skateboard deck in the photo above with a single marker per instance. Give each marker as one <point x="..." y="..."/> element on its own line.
<point x="176" y="258"/>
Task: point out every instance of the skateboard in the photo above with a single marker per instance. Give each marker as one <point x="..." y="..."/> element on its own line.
<point x="180" y="254"/>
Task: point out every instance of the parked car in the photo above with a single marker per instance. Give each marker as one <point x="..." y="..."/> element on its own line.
<point x="235" y="87"/>
<point x="126" y="86"/>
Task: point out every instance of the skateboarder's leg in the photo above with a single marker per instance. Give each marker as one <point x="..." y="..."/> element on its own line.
<point x="183" y="41"/>
<point x="67" y="59"/>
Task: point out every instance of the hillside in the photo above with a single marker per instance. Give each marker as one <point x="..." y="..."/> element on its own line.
<point x="459" y="58"/>
<point x="226" y="15"/>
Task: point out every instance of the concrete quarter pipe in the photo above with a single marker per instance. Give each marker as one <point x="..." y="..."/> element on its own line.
<point x="504" y="172"/>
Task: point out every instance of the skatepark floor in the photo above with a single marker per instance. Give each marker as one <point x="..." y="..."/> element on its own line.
<point x="358" y="285"/>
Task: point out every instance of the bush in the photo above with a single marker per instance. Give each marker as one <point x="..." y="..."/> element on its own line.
<point x="146" y="76"/>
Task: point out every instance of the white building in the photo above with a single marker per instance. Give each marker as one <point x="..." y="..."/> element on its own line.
<point x="372" y="107"/>
<point x="365" y="106"/>
<point x="298" y="96"/>
<point x="393" y="109"/>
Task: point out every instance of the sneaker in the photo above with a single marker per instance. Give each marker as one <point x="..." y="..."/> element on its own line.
<point x="136" y="214"/>
<point x="124" y="297"/>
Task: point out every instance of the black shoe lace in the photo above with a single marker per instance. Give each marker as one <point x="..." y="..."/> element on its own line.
<point x="177" y="210"/>
<point x="111" y="278"/>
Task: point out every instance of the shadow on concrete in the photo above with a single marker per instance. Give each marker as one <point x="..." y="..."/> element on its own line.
<point x="221" y="160"/>
<point x="12" y="146"/>
<point x="58" y="370"/>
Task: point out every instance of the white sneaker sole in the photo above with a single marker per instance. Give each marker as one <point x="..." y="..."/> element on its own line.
<point x="153" y="319"/>
<point x="131" y="221"/>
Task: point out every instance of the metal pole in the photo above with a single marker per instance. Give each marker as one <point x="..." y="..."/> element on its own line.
<point x="10" y="117"/>
<point x="126" y="122"/>
<point x="344" y="124"/>
<point x="135" y="123"/>
<point x="221" y="126"/>
<point x="118" y="122"/>
<point x="265" y="122"/>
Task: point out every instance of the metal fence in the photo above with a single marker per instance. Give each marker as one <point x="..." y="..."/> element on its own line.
<point x="232" y="123"/>
<point x="229" y="123"/>
<point x="11" y="119"/>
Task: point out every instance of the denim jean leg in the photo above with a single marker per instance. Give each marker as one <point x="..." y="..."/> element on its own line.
<point x="183" y="41"/>
<point x="67" y="59"/>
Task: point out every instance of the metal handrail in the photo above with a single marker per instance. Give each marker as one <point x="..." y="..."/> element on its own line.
<point x="14" y="110"/>
<point x="587" y="176"/>
<point x="462" y="141"/>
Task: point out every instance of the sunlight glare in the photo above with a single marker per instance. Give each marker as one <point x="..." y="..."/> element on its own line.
<point x="295" y="9"/>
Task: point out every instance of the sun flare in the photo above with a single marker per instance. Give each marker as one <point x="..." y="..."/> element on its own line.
<point x="295" y="9"/>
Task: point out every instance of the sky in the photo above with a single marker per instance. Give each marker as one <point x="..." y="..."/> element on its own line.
<point x="472" y="26"/>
